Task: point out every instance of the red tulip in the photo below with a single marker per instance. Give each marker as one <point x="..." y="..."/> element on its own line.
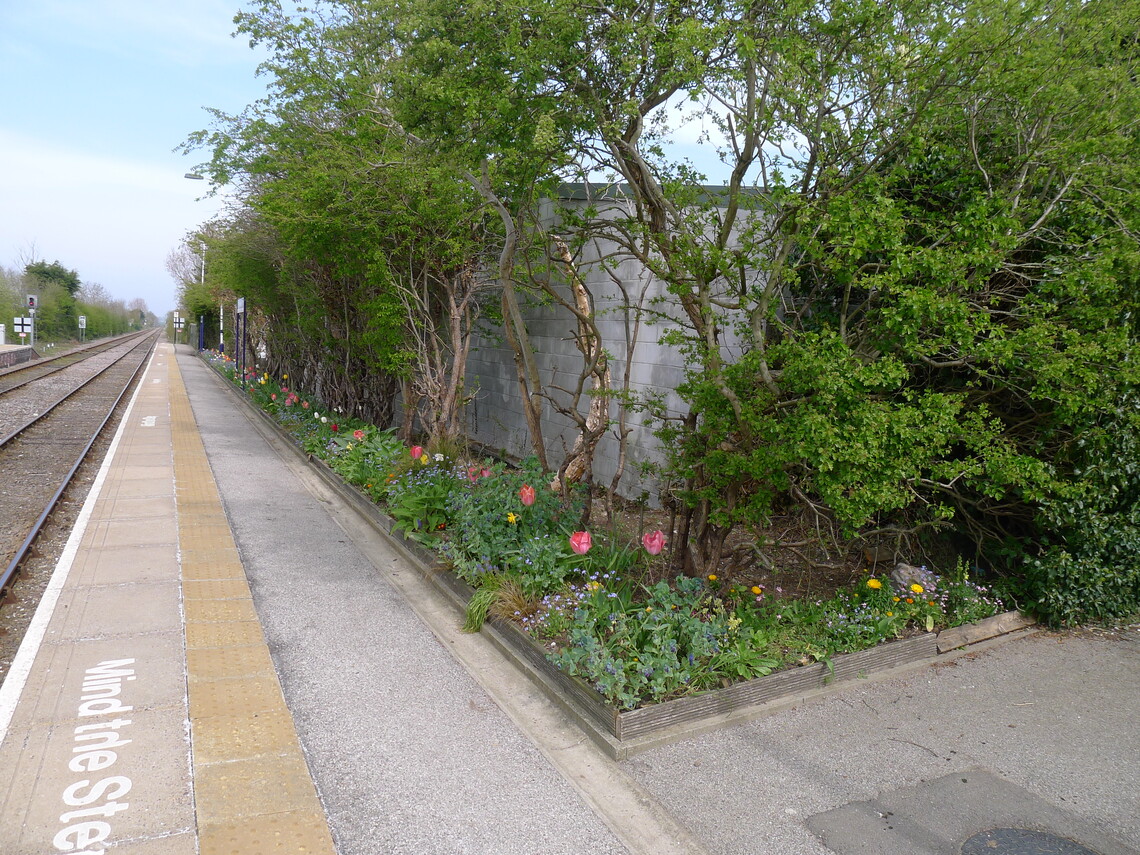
<point x="417" y="451"/>
<point x="580" y="542"/>
<point x="334" y="427"/>
<point x="653" y="542"/>
<point x="527" y="496"/>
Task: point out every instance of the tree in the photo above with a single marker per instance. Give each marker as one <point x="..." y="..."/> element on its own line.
<point x="904" y="310"/>
<point x="54" y="273"/>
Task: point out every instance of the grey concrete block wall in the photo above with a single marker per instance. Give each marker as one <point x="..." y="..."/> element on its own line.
<point x="495" y="417"/>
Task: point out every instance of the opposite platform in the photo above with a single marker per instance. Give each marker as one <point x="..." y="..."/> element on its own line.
<point x="142" y="713"/>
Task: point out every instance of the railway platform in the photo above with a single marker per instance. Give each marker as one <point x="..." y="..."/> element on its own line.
<point x="143" y="713"/>
<point x="230" y="660"/>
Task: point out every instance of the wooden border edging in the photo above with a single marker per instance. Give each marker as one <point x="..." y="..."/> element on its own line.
<point x="622" y="734"/>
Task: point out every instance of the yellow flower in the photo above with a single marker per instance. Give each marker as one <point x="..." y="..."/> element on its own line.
<point x="424" y="458"/>
<point x="917" y="588"/>
<point x="712" y="577"/>
<point x="649" y="608"/>
<point x="894" y="599"/>
<point x="874" y="584"/>
<point x="284" y="376"/>
<point x="910" y="599"/>
<point x="890" y="614"/>
<point x="512" y="519"/>
<point x="756" y="589"/>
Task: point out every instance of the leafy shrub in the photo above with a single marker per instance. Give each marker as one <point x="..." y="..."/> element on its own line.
<point x="491" y="530"/>
<point x="667" y="640"/>
<point x="1089" y="568"/>
<point x="417" y="498"/>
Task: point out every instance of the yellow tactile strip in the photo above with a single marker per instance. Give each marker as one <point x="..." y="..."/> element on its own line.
<point x="252" y="790"/>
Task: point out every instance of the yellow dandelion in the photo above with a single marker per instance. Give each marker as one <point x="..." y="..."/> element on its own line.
<point x="756" y="589"/>
<point x="712" y="577"/>
<point x="874" y="584"/>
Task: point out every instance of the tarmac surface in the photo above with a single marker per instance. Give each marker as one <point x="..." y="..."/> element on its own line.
<point x="422" y="739"/>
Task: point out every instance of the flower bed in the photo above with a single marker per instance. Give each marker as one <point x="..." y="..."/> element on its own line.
<point x="635" y="658"/>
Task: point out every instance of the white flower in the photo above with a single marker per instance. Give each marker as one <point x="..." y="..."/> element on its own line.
<point x="324" y="420"/>
<point x="438" y="458"/>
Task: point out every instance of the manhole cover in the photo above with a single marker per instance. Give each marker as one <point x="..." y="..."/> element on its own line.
<point x="1021" y="841"/>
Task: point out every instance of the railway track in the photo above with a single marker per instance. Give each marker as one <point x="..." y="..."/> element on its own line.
<point x="28" y="372"/>
<point x="49" y="424"/>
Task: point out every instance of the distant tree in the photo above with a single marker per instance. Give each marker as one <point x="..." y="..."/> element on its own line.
<point x="54" y="273"/>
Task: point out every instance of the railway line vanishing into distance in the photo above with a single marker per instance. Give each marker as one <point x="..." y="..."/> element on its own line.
<point x="56" y="419"/>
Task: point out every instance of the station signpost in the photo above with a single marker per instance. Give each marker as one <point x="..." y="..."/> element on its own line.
<point x="240" y="336"/>
<point x="23" y="326"/>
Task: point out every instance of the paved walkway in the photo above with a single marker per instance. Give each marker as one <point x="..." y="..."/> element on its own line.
<point x="142" y="711"/>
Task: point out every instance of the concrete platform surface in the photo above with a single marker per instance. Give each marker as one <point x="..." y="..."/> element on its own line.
<point x="118" y="714"/>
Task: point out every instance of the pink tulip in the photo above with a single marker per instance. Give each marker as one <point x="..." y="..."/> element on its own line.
<point x="527" y="496"/>
<point x="486" y="473"/>
<point x="472" y="474"/>
<point x="358" y="434"/>
<point x="580" y="542"/>
<point x="653" y="542"/>
<point x="417" y="451"/>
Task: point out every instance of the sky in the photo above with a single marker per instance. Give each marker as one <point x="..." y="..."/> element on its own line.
<point x="95" y="95"/>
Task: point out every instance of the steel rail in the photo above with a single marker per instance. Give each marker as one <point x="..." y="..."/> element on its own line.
<point x="92" y="349"/>
<point x="13" y="565"/>
<point x="5" y="440"/>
